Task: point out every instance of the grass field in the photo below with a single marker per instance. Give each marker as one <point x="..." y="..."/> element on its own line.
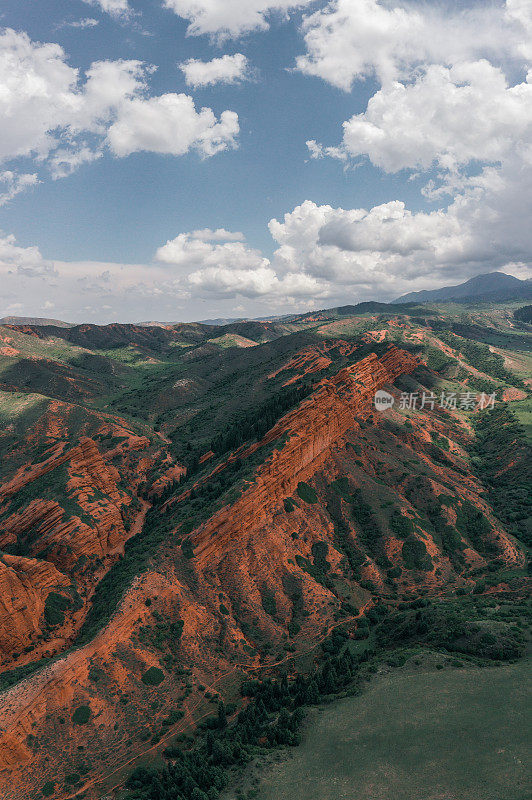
<point x="523" y="412"/>
<point x="447" y="735"/>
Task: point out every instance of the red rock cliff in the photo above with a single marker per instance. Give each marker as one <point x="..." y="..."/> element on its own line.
<point x="312" y="428"/>
<point x="24" y="585"/>
<point x="68" y="528"/>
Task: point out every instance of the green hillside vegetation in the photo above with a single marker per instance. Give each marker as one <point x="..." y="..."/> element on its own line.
<point x="523" y="314"/>
<point x="274" y="713"/>
<point x="481" y="357"/>
<point x="193" y="391"/>
<point x="501" y="442"/>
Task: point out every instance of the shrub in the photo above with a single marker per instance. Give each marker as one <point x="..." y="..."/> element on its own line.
<point x="370" y="534"/>
<point x="306" y="493"/>
<point x="441" y="441"/>
<point x="501" y="442"/>
<point x="48" y="789"/>
<point x="96" y="674"/>
<point x="81" y="715"/>
<point x="186" y="549"/>
<point x="268" y="601"/>
<point x="293" y="628"/>
<point x="400" y="525"/>
<point x="153" y="676"/>
<point x="437" y="360"/>
<point x="163" y="635"/>
<point x="395" y="572"/>
<point x="54" y="609"/>
<point x="174" y="716"/>
<point x="313" y="570"/>
<point x="473" y="524"/>
<point x="523" y="314"/>
<point x="341" y="487"/>
<point x="415" y="554"/>
<point x="319" y="552"/>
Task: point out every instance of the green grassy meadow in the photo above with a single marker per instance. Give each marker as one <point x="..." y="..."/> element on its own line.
<point x="460" y="734"/>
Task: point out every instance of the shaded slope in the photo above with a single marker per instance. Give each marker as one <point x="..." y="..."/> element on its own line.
<point x="301" y="549"/>
<point x="301" y="510"/>
<point x="491" y="287"/>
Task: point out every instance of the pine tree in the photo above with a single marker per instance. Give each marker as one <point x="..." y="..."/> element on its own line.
<point x="222" y="716"/>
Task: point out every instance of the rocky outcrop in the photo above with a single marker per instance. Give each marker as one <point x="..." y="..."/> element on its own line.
<point x="29" y="473"/>
<point x="89" y="525"/>
<point x="67" y="516"/>
<point x="171" y="475"/>
<point x="312" y="428"/>
<point x="314" y="359"/>
<point x="512" y="394"/>
<point x="253" y="551"/>
<point x="87" y="462"/>
<point x="24" y="585"/>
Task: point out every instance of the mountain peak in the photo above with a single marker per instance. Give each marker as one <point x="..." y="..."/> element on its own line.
<point x="489" y="287"/>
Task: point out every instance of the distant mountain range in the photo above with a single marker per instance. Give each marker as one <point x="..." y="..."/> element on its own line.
<point x="490" y="287"/>
<point x="58" y="323"/>
<point x="494" y="287"/>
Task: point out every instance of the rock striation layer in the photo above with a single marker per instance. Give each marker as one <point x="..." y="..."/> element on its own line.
<point x="312" y="428"/>
<point x="24" y="586"/>
<point x="67" y="515"/>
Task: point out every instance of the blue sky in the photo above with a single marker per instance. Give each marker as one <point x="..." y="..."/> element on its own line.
<point x="400" y="190"/>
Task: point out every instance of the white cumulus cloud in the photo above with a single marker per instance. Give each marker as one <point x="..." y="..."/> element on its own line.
<point x="448" y="116"/>
<point x="388" y="249"/>
<point x="230" y="18"/>
<point x="218" y="235"/>
<point x="232" y="269"/>
<point x="171" y="124"/>
<point x="520" y="12"/>
<point x="454" y="109"/>
<point x="209" y="249"/>
<point x="116" y="8"/>
<point x="22" y="261"/>
<point x="352" y="39"/>
<point x="14" y="183"/>
<point x="226" y="69"/>
<point x="52" y="113"/>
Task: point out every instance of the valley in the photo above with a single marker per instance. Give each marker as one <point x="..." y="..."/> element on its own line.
<point x="206" y="529"/>
<point x="427" y="733"/>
